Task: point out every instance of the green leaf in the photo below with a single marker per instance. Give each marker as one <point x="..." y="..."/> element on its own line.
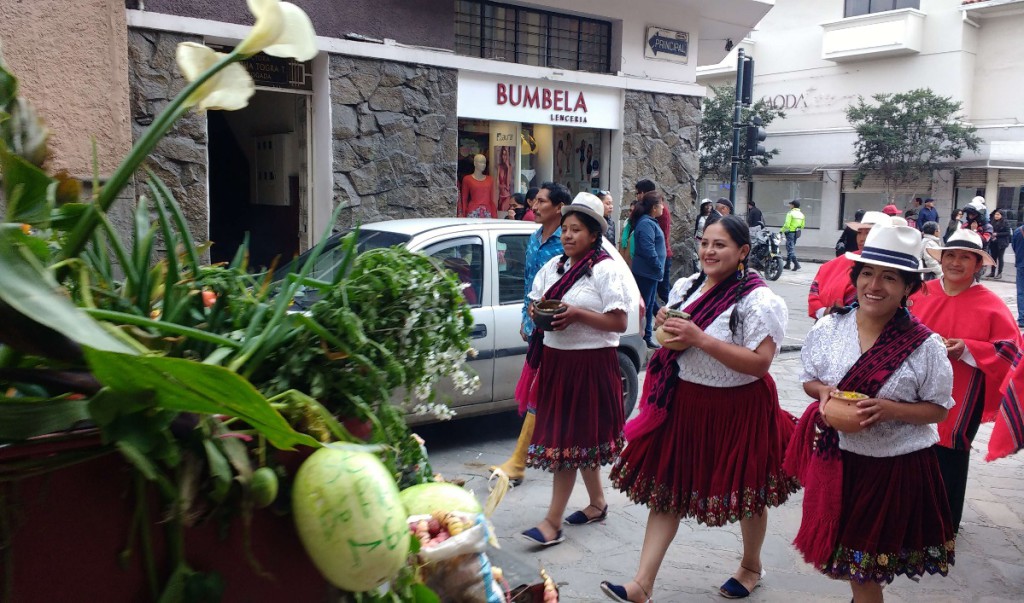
<point x="188" y="386"/>
<point x="8" y="85"/>
<point x="421" y="593"/>
<point x="30" y="193"/>
<point x="22" y="420"/>
<point x="28" y="288"/>
<point x="66" y="216"/>
<point x="146" y="467"/>
<point x="220" y="471"/>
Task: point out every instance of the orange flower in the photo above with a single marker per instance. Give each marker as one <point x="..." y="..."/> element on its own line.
<point x="26" y="228"/>
<point x="209" y="298"/>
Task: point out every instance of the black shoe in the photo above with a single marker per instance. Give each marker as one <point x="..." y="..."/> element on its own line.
<point x="651" y="344"/>
<point x="796" y="266"/>
<point x="787" y="266"/>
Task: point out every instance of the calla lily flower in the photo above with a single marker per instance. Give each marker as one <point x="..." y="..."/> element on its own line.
<point x="281" y="30"/>
<point x="229" y="89"/>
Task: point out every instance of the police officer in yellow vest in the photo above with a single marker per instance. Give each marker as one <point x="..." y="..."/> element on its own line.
<point x="791" y="229"/>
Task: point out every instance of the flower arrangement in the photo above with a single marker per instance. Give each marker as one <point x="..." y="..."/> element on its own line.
<point x="191" y="372"/>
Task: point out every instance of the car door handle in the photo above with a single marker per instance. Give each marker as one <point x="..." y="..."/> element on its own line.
<point x="478" y="332"/>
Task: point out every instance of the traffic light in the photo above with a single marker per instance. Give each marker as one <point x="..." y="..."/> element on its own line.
<point x="755" y="136"/>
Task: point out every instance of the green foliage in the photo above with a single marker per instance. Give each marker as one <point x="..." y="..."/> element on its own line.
<point x="907" y="135"/>
<point x="716" y="134"/>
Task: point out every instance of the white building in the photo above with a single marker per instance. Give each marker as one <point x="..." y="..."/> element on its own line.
<point x="815" y="57"/>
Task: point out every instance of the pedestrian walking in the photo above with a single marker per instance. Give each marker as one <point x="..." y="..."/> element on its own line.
<point x="930" y="240"/>
<point x="791" y="229"/>
<point x="755" y="218"/>
<point x="544" y="244"/>
<point x="1017" y="240"/>
<point x="709" y="439"/>
<point x="723" y="206"/>
<point x="609" y="206"/>
<point x="831" y="288"/>
<point x="665" y="223"/>
<point x="954" y="224"/>
<point x="982" y="342"/>
<point x="648" y="255"/>
<point x="579" y="392"/>
<point x="874" y="506"/>
<point x="1000" y="241"/>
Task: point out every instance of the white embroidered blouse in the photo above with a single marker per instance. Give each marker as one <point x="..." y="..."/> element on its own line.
<point x="833" y="346"/>
<point x="762" y="314"/>
<point x="606" y="290"/>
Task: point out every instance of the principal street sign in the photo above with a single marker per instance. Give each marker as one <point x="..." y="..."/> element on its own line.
<point x="667" y="45"/>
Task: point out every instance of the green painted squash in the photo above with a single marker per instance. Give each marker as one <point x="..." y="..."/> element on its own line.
<point x="350" y="519"/>
<point x="423" y="499"/>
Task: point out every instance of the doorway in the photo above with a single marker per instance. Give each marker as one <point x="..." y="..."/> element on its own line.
<point x="258" y="178"/>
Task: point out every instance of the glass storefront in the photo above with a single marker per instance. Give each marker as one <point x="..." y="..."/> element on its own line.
<point x="773" y="197"/>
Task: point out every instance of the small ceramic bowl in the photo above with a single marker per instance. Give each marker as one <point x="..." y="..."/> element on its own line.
<point x="841" y="411"/>
<point x="544" y="312"/>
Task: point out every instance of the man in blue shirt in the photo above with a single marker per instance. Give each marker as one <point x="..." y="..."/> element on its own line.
<point x="928" y="213"/>
<point x="544" y="244"/>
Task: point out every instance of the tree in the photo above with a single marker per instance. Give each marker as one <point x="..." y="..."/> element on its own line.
<point x="906" y="136"/>
<point x="716" y="133"/>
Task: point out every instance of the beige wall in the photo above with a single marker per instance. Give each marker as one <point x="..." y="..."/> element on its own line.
<point x="72" y="61"/>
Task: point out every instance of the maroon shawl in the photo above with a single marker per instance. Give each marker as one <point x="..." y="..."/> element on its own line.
<point x="662" y="371"/>
<point x="813" y="455"/>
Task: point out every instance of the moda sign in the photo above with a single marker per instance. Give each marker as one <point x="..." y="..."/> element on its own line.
<point x="504" y="98"/>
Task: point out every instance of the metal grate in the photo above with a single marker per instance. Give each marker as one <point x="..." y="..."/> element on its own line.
<point x="503" y="32"/>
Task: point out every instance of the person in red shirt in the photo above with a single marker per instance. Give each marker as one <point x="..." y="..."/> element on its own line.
<point x="832" y="287"/>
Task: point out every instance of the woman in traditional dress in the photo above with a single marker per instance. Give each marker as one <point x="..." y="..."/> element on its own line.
<point x="831" y="288"/>
<point x="982" y="340"/>
<point x="579" y="393"/>
<point x="874" y="504"/>
<point x="710" y="437"/>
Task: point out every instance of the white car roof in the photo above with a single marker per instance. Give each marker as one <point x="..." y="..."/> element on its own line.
<point x="416" y="226"/>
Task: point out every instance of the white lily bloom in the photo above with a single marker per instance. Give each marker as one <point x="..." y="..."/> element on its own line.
<point x="229" y="89"/>
<point x="281" y="30"/>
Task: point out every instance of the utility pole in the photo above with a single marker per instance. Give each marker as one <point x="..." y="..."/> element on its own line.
<point x="737" y="124"/>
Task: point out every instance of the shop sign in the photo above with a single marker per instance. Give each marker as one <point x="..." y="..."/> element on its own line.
<point x="667" y="45"/>
<point x="529" y="101"/>
<point x="274" y="72"/>
<point x="785" y="101"/>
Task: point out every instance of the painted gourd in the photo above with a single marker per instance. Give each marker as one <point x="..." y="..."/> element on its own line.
<point x="350" y="519"/>
<point x="424" y="499"/>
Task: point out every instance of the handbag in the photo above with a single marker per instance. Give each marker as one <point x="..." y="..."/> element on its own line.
<point x="840" y="246"/>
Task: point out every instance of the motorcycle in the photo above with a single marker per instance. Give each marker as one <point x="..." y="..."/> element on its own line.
<point x="764" y="253"/>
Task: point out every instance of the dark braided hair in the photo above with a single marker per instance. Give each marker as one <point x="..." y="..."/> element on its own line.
<point x="593" y="227"/>
<point x="738" y="231"/>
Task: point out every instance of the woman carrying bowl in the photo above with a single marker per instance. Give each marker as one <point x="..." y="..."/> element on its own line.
<point x="874" y="504"/>
<point x="709" y="440"/>
<point x="579" y="393"/>
<point x="982" y="340"/>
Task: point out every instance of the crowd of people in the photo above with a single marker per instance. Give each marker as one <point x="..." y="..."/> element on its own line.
<point x="899" y="382"/>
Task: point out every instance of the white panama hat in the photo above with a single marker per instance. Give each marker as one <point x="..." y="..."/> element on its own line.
<point x="589" y="205"/>
<point x="963" y="240"/>
<point x="896" y="247"/>
<point x="869" y="219"/>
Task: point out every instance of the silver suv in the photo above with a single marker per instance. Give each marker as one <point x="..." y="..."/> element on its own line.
<point x="490" y="257"/>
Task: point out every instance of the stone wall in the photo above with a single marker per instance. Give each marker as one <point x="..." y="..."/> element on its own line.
<point x="394" y="140"/>
<point x="660" y="143"/>
<point x="180" y="159"/>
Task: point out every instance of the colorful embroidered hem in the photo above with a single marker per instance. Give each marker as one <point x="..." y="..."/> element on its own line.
<point x="712" y="511"/>
<point x="848" y="564"/>
<point x="577" y="457"/>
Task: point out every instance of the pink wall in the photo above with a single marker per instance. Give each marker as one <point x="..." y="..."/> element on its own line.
<point x="72" y="61"/>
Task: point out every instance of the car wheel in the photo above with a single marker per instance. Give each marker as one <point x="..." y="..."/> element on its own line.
<point x="630" y="384"/>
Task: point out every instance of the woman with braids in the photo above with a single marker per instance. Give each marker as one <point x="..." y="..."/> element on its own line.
<point x="579" y="394"/>
<point x="648" y="263"/>
<point x="874" y="502"/>
<point x="982" y="342"/>
<point x="710" y="437"/>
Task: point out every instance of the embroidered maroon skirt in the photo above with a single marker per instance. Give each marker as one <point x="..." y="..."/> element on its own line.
<point x="717" y="457"/>
<point x="579" y="410"/>
<point x="894" y="519"/>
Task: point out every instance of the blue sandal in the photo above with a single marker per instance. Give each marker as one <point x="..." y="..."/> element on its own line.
<point x="579" y="518"/>
<point x="535" y="536"/>
<point x="616" y="592"/>
<point x="734" y="589"/>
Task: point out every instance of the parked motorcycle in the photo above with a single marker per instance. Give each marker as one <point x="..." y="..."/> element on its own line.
<point x="764" y="253"/>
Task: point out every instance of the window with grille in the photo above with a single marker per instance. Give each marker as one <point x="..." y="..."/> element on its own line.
<point x="503" y="32"/>
<point x="864" y="7"/>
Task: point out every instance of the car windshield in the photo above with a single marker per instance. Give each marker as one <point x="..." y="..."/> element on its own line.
<point x="331" y="257"/>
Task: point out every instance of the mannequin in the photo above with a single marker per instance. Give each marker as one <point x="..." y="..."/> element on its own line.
<point x="477" y="197"/>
